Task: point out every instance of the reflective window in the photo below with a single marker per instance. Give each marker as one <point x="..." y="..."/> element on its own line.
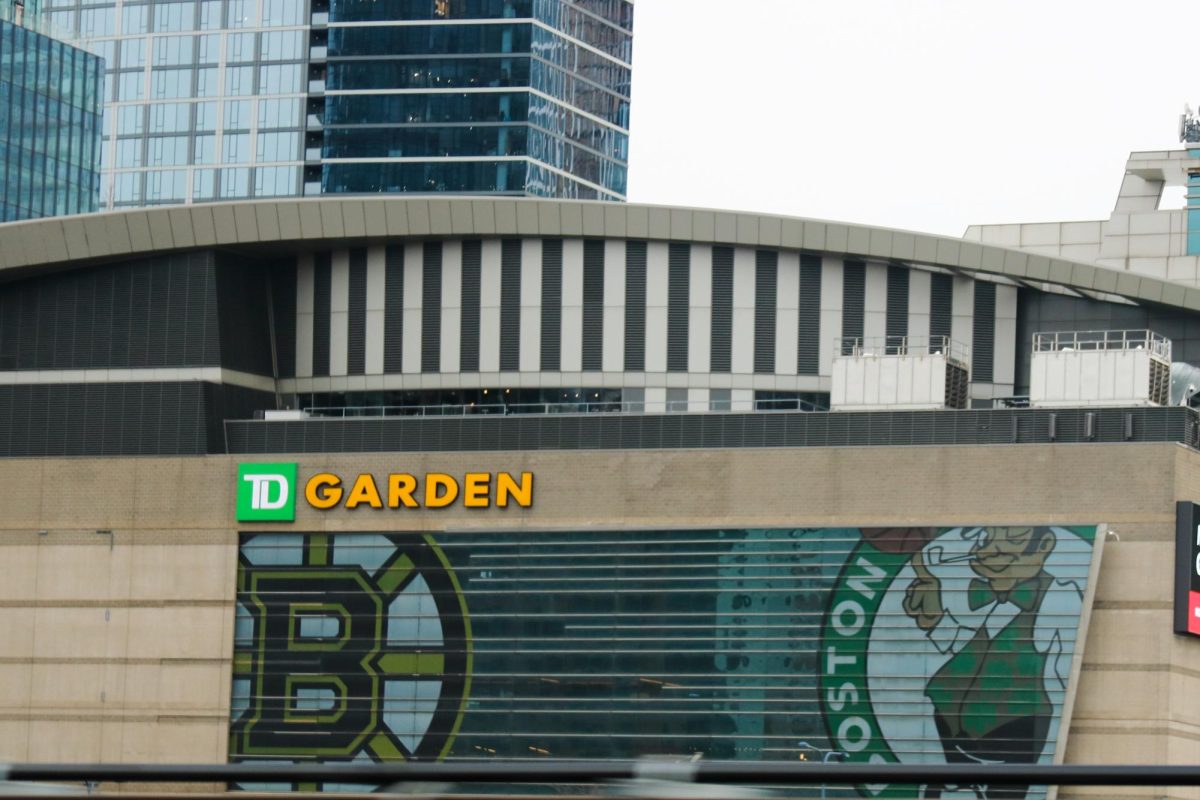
<point x="466" y="176"/>
<point x="206" y="116"/>
<point x="279" y="79"/>
<point x="205" y="150"/>
<point x="283" y="112"/>
<point x="282" y="46"/>
<point x="386" y="40"/>
<point x="210" y="15"/>
<point x="134" y="19"/>
<point x="204" y="184"/>
<point x="278" y="146"/>
<point x="166" y="185"/>
<point x="277" y="13"/>
<point x="207" y="81"/>
<point x="169" y="117"/>
<point x="133" y="53"/>
<point x="127" y="187"/>
<point x="275" y="181"/>
<point x="171" y="83"/>
<point x="237" y="114"/>
<point x="168" y="151"/>
<point x="132" y="86"/>
<point x="131" y="119"/>
<point x="210" y="48"/>
<point x="239" y="80"/>
<point x="172" y="50"/>
<point x="235" y="182"/>
<point x="174" y="16"/>
<point x="97" y="22"/>
<point x="239" y="47"/>
<point x="244" y="14"/>
<point x="235" y="148"/>
<point x="129" y="153"/>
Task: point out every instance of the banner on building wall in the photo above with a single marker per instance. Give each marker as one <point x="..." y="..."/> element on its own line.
<point x="1187" y="568"/>
<point x="909" y="645"/>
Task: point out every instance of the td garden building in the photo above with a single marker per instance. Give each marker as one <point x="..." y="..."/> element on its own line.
<point x="389" y="479"/>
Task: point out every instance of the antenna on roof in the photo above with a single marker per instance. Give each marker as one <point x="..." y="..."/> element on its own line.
<point x="1189" y="125"/>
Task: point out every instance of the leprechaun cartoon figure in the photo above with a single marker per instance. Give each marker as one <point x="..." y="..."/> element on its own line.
<point x="992" y="697"/>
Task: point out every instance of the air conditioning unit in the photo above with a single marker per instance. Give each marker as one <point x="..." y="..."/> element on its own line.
<point x="1100" y="368"/>
<point x="899" y="373"/>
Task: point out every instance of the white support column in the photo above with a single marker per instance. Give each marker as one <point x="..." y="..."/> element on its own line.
<point x="741" y="360"/>
<point x="657" y="280"/>
<point x="414" y="260"/>
<point x="614" y="305"/>
<point x="339" y="313"/>
<point x="787" y="313"/>
<point x="831" y="310"/>
<point x="451" y="342"/>
<point x="376" y="278"/>
<point x="571" y="353"/>
<point x="1004" y="356"/>
<point x="305" y="290"/>
<point x="531" y="305"/>
<point x="700" y="309"/>
<point x="489" y="306"/>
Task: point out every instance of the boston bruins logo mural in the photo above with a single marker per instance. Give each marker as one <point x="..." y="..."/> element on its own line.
<point x="348" y="648"/>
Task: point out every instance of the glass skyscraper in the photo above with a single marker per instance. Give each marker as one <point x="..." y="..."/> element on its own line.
<point x="228" y="99"/>
<point x="49" y="120"/>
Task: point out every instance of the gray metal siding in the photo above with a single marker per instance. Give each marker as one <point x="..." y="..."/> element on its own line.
<point x="472" y="260"/>
<point x="593" y="305"/>
<point x="808" y="346"/>
<point x="322" y="300"/>
<point x="431" y="307"/>
<point x="635" y="306"/>
<point x="766" y="277"/>
<point x="552" y="261"/>
<point x="679" y="272"/>
<point x="393" y="309"/>
<point x="721" y="356"/>
<point x="510" y="305"/>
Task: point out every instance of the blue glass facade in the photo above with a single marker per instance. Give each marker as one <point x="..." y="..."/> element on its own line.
<point x="49" y="125"/>
<point x="523" y="97"/>
<point x="1193" y="209"/>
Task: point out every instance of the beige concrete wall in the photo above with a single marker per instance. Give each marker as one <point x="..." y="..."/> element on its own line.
<point x="117" y="647"/>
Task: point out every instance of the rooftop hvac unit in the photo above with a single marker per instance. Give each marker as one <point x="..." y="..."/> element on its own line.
<point x="1100" y="368"/>
<point x="899" y="373"/>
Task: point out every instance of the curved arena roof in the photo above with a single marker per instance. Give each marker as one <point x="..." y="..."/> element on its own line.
<point x="292" y="224"/>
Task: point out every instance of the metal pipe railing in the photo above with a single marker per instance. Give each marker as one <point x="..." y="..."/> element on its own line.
<point x="711" y="772"/>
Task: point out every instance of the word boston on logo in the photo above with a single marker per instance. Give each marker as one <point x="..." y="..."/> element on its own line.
<point x="268" y="492"/>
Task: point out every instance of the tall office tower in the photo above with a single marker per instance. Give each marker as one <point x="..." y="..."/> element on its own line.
<point x="523" y="97"/>
<point x="230" y="99"/>
<point x="49" y="119"/>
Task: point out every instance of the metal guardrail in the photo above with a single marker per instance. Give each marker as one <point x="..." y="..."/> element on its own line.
<point x="1066" y="341"/>
<point x="546" y="409"/>
<point x="552" y="772"/>
<point x="856" y="346"/>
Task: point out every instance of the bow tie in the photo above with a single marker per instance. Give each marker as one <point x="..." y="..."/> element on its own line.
<point x="1023" y="595"/>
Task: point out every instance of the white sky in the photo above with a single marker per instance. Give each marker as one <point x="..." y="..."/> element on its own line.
<point x="921" y="114"/>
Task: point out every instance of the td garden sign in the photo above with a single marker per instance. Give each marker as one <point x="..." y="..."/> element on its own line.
<point x="269" y="492"/>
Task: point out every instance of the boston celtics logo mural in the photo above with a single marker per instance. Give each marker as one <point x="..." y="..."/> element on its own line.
<point x="348" y="649"/>
<point x="953" y="645"/>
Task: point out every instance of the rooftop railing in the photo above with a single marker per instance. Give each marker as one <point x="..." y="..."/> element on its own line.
<point x="1068" y="341"/>
<point x="866" y="346"/>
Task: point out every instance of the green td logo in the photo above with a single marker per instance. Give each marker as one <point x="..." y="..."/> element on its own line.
<point x="266" y="493"/>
